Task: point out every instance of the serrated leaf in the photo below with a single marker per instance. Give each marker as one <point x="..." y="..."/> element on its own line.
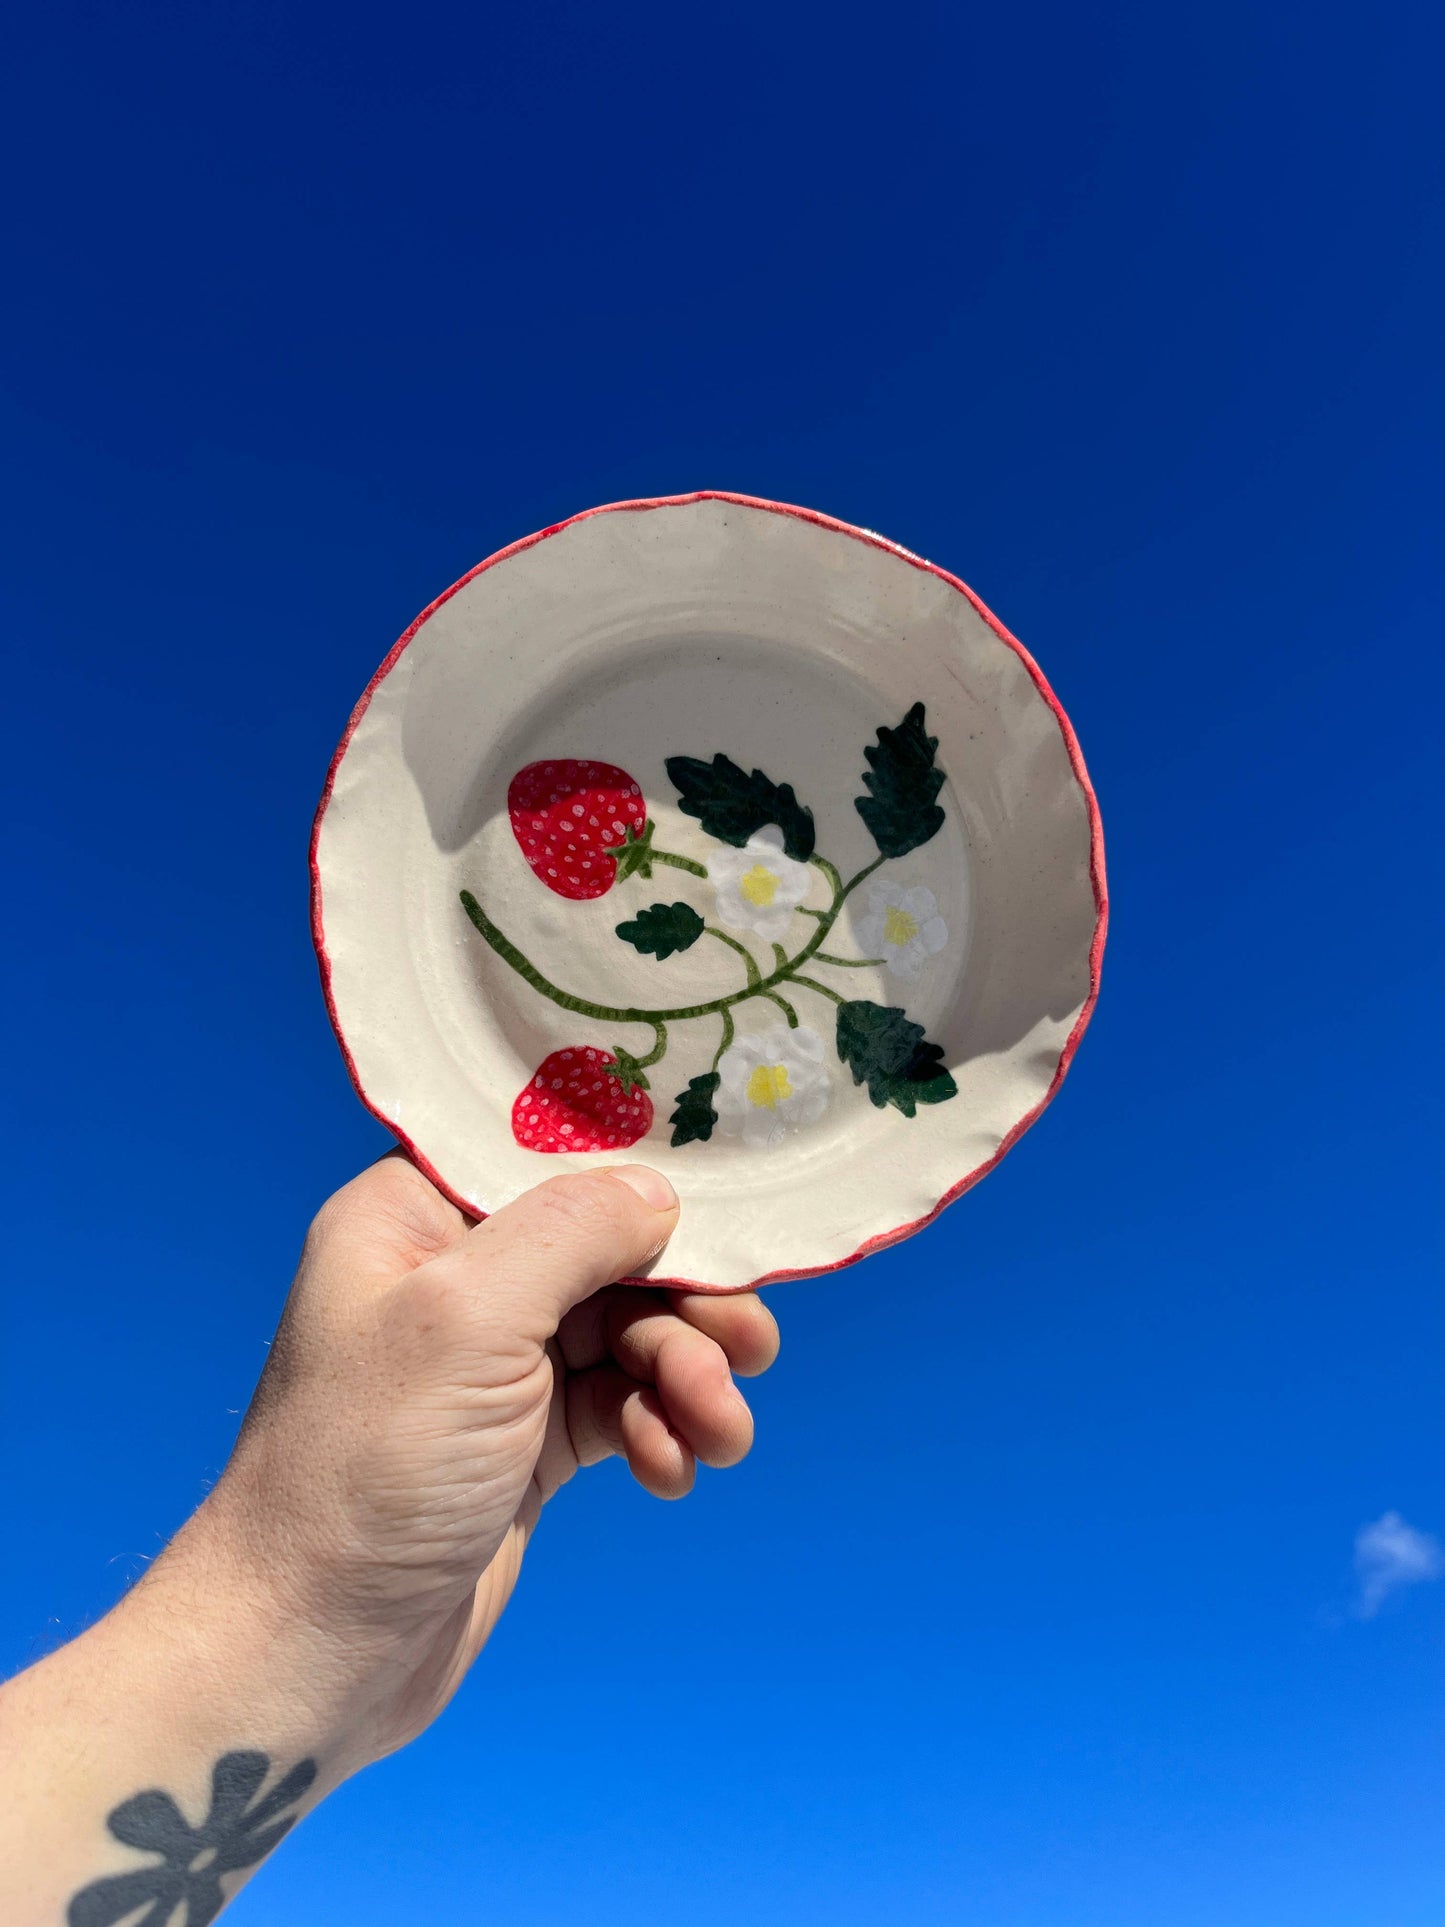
<point x="900" y="810"/>
<point x="886" y="1050"/>
<point x="732" y="805"/>
<point x="694" y="1118"/>
<point x="663" y="930"/>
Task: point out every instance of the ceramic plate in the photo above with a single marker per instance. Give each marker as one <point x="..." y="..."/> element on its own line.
<point x="720" y="835"/>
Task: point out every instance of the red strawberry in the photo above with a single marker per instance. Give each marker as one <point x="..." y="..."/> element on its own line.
<point x="566" y="815"/>
<point x="576" y="1101"/>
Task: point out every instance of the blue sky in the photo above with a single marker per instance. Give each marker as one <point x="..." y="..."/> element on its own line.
<point x="1032" y="1607"/>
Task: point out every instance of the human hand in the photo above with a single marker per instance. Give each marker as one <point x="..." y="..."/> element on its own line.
<point x="433" y="1384"/>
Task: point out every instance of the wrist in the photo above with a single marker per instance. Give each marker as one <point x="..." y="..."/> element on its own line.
<point x="237" y="1647"/>
<point x="196" y="1722"/>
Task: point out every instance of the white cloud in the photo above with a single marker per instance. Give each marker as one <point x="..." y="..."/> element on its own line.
<point x="1390" y="1554"/>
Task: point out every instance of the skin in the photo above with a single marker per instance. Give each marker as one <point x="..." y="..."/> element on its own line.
<point x="433" y="1383"/>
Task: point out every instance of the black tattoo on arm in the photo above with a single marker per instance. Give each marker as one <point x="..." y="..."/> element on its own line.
<point x="234" y="1834"/>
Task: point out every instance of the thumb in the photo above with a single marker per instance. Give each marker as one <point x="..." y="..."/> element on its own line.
<point x="563" y="1240"/>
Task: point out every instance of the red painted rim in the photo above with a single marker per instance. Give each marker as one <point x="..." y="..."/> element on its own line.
<point x="1076" y="760"/>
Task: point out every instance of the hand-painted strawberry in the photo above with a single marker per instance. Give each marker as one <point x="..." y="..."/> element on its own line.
<point x="580" y="1100"/>
<point x="566" y="815"/>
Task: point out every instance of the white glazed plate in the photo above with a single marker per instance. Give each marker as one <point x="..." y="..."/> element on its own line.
<point x="723" y="836"/>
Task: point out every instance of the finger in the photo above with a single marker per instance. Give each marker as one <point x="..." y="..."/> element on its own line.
<point x="661" y="1463"/>
<point x="742" y="1324"/>
<point x="584" y="1336"/>
<point x="557" y="1244"/>
<point x="692" y="1378"/>
<point x="608" y="1412"/>
<point x="593" y="1410"/>
<point x="386" y="1221"/>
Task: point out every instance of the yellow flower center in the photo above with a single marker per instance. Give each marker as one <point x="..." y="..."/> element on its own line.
<point x="898" y="926"/>
<point x="769" y="1085"/>
<point x="759" y="886"/>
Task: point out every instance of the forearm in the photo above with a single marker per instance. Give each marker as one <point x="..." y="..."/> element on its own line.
<point x="432" y="1384"/>
<point x="201" y="1692"/>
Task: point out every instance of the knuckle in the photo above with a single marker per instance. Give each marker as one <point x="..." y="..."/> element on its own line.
<point x="344" y="1212"/>
<point x="635" y="1326"/>
<point x="424" y="1307"/>
<point x="594" y="1418"/>
<point x="584" y="1208"/>
<point x="395" y="1186"/>
<point x="326" y="1225"/>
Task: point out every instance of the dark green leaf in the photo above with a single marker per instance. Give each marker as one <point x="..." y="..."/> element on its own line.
<point x="732" y="806"/>
<point x="888" y="1052"/>
<point x="900" y="810"/>
<point x="662" y="930"/>
<point x="694" y="1117"/>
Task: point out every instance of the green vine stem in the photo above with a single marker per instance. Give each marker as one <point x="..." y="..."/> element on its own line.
<point x="634" y="855"/>
<point x="783" y="1005"/>
<point x="852" y="884"/>
<point x="848" y="963"/>
<point x="755" y="976"/>
<point x="659" y="1046"/>
<point x="786" y="972"/>
<point x="632" y="1070"/>
<point x="835" y="882"/>
<point x="810" y="983"/>
<point x="728" y="1029"/>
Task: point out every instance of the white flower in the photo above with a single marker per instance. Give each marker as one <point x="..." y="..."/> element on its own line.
<point x="902" y="927"/>
<point x="758" y="888"/>
<point x="772" y="1084"/>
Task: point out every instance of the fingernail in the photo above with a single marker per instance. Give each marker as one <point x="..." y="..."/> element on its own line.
<point x="651" y="1186"/>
